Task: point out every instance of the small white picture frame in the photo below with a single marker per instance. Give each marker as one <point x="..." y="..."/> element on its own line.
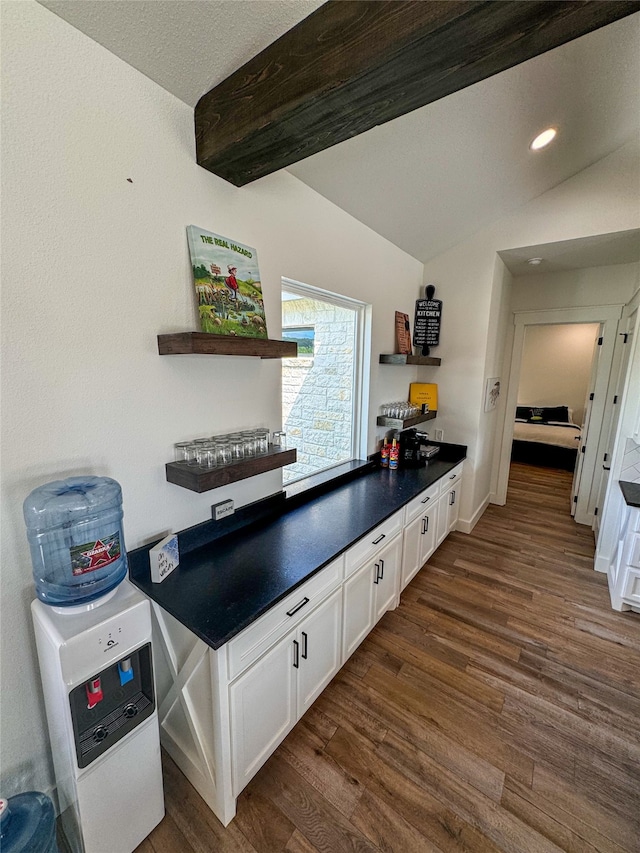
<point x="164" y="558"/>
<point x="491" y="393"/>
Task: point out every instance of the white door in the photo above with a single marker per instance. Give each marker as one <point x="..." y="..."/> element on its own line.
<point x="453" y="508"/>
<point x="262" y="705"/>
<point x="577" y="471"/>
<point x="419" y="543"/>
<point x="386" y="567"/>
<point x="412" y="549"/>
<point x="443" y="518"/>
<point x="358" y="608"/>
<point x="625" y="342"/>
<point x="320" y="639"/>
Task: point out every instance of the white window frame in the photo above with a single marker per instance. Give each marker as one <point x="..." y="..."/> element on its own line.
<point x="361" y="369"/>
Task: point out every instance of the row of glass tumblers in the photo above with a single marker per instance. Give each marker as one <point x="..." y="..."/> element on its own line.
<point x="225" y="449"/>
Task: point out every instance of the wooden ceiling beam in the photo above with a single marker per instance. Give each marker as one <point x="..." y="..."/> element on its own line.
<point x="353" y="65"/>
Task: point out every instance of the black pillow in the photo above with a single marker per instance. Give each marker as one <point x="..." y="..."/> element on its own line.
<point x="523" y="412"/>
<point x="556" y="413"/>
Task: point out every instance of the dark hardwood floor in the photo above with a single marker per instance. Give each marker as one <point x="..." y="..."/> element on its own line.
<point x="496" y="709"/>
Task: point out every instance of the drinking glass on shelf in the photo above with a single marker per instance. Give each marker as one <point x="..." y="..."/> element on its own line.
<point x="249" y="442"/>
<point x="180" y="450"/>
<point x="222" y="450"/>
<point x="237" y="446"/>
<point x="262" y="440"/>
<point x="206" y="454"/>
<point x="279" y="439"/>
<point x="191" y="453"/>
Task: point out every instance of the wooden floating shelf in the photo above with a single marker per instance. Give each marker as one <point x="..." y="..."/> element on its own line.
<point x="397" y="423"/>
<point x="199" y="479"/>
<point x="399" y="358"/>
<point x="202" y="343"/>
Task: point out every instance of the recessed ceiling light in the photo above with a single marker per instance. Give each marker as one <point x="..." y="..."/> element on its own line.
<point x="534" y="261"/>
<point x="543" y="139"/>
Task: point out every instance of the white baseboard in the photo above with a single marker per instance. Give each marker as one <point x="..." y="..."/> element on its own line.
<point x="466" y="526"/>
<point x="601" y="564"/>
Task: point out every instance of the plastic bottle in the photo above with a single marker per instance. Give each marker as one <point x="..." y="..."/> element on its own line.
<point x="28" y="822"/>
<point x="74" y="528"/>
<point x="384" y="455"/>
<point x="394" y="454"/>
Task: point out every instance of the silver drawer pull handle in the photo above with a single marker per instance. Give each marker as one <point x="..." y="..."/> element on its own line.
<point x="379" y="539"/>
<point x="295" y="609"/>
<point x="425" y="500"/>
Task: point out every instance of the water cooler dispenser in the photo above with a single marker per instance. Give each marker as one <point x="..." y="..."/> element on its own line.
<point x="93" y="635"/>
<point x="97" y="677"/>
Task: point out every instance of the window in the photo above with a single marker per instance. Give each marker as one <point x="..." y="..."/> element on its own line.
<point x="322" y="389"/>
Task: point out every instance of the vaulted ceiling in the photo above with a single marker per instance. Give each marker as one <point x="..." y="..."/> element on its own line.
<point x="425" y="180"/>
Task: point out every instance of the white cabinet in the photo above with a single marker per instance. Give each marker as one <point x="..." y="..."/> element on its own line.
<point x="262" y="711"/>
<point x="419" y="542"/>
<point x="448" y="504"/>
<point x="369" y="592"/>
<point x="624" y="582"/>
<point x="224" y="711"/>
<point x="270" y="697"/>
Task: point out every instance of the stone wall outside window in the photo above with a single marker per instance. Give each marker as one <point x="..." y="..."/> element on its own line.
<point x="317" y="391"/>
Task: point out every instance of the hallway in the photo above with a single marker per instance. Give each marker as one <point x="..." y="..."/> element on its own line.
<point x="496" y="709"/>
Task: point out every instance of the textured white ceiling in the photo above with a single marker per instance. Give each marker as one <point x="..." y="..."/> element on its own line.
<point x="429" y="179"/>
<point x="187" y="46"/>
<point x="601" y="250"/>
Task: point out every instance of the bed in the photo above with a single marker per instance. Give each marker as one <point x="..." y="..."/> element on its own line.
<point x="545" y="436"/>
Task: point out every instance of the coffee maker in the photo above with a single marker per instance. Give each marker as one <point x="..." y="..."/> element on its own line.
<point x="411" y="448"/>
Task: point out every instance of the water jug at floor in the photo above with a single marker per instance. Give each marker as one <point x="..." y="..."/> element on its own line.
<point x="74" y="527"/>
<point x="28" y="823"/>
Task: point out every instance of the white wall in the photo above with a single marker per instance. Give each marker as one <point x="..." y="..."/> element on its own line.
<point x="606" y="285"/>
<point x="473" y="285"/>
<point x="96" y="265"/>
<point x="556" y="365"/>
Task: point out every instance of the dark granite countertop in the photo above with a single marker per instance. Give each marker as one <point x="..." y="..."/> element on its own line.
<point x="630" y="492"/>
<point x="223" y="586"/>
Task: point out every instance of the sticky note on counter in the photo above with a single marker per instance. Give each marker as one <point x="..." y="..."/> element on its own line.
<point x="164" y="558"/>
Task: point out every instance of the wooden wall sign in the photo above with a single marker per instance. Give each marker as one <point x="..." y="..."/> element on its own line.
<point x="426" y="327"/>
<point x="403" y="333"/>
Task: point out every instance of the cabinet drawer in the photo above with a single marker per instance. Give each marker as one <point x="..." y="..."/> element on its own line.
<point x="422" y="503"/>
<point x="254" y="641"/>
<point x="450" y="479"/>
<point x="631" y="550"/>
<point x="631" y="588"/>
<point x="372" y="542"/>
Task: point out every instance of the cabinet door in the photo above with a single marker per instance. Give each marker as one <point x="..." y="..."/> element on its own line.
<point x="442" y="524"/>
<point x="358" y="608"/>
<point x="428" y="531"/>
<point x="385" y="578"/>
<point x="320" y="650"/>
<point x="453" y="507"/>
<point x="262" y="707"/>
<point x="411" y="550"/>
<point x="419" y="543"/>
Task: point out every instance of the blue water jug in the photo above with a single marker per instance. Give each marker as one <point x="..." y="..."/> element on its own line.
<point x="74" y="527"/>
<point x="28" y="823"/>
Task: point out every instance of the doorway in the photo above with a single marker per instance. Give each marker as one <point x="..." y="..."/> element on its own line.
<point x="559" y="366"/>
<point x="607" y="316"/>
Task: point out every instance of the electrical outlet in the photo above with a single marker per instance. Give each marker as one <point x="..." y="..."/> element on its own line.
<point x="438" y="434"/>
